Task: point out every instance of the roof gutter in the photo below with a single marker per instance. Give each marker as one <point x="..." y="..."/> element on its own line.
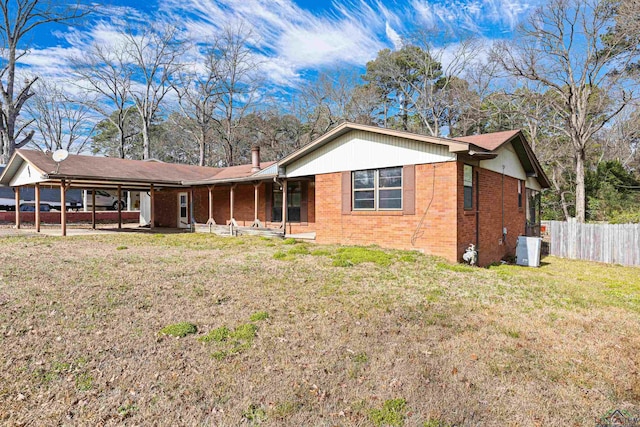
<point x="119" y="180"/>
<point x="231" y="180"/>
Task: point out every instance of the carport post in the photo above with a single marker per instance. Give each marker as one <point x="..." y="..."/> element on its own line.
<point x="232" y="197"/>
<point x="17" y="191"/>
<point x="256" y="200"/>
<point x="93" y="208"/>
<point x="37" y="191"/>
<point x="211" y="221"/>
<point x="119" y="207"/>
<point x="63" y="208"/>
<point x="284" y="206"/>
<point x="152" y="216"/>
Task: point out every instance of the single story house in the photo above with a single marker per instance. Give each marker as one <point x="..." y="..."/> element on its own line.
<point x="356" y="184"/>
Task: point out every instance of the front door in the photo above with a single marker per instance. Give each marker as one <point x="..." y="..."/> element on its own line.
<point x="183" y="210"/>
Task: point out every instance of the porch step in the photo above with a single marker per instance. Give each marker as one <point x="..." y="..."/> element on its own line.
<point x="225" y="230"/>
<point x="220" y="230"/>
<point x="253" y="231"/>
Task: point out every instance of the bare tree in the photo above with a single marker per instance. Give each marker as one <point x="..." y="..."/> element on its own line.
<point x="103" y="75"/>
<point x="326" y="102"/>
<point x="238" y="87"/>
<point x="564" y="49"/>
<point x="61" y="122"/>
<point x="440" y="93"/>
<point x="19" y="18"/>
<point x="153" y="57"/>
<point x="199" y="90"/>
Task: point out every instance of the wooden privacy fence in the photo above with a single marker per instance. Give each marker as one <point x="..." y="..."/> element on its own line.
<point x="610" y="243"/>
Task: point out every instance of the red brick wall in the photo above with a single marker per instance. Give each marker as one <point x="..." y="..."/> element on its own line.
<point x="244" y="199"/>
<point x="166" y="208"/>
<point x="491" y="247"/>
<point x="244" y="206"/>
<point x="433" y="230"/>
<point x="72" y="217"/>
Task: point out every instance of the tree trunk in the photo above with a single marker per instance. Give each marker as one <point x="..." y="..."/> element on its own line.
<point x="146" y="146"/>
<point x="202" y="147"/>
<point x="581" y="202"/>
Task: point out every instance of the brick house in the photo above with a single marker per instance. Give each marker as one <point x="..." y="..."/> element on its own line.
<point x="355" y="185"/>
<point x="366" y="185"/>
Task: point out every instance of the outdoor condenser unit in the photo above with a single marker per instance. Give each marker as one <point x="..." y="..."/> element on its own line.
<point x="528" y="251"/>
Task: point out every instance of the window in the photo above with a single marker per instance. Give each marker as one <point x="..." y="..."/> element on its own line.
<point x="520" y="194"/>
<point x="377" y="189"/>
<point x="294" y="199"/>
<point x="468" y="187"/>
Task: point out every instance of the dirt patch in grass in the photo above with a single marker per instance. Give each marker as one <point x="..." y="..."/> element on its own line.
<point x="396" y="338"/>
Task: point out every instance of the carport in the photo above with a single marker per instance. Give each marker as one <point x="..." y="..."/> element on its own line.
<point x="38" y="169"/>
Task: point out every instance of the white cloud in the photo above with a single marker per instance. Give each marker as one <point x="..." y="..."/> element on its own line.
<point x="393" y="36"/>
<point x="473" y="15"/>
<point x="293" y="39"/>
<point x="288" y="39"/>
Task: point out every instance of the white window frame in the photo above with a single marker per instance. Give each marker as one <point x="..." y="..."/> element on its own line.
<point x="376" y="190"/>
<point x="470" y="185"/>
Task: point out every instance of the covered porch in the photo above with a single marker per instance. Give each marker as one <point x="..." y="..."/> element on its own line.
<point x="38" y="170"/>
<point x="267" y="206"/>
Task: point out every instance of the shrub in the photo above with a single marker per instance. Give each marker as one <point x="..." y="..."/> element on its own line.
<point x="180" y="330"/>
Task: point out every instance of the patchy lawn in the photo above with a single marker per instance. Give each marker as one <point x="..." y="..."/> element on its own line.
<point x="202" y="330"/>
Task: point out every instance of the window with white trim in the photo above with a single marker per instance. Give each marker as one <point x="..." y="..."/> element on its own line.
<point x="519" y="193"/>
<point x="468" y="187"/>
<point x="377" y="189"/>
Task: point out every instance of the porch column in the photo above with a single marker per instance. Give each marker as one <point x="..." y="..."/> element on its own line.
<point x="93" y="208"/>
<point x="119" y="207"/>
<point x="152" y="216"/>
<point x="192" y="219"/>
<point x="17" y="194"/>
<point x="37" y="191"/>
<point x="63" y="207"/>
<point x="232" y="196"/>
<point x="284" y="207"/>
<point x="256" y="201"/>
<point x="211" y="221"/>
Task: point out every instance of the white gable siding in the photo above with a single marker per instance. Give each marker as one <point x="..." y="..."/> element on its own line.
<point x="507" y="157"/>
<point x="26" y="175"/>
<point x="533" y="184"/>
<point x="357" y="150"/>
<point x="512" y="166"/>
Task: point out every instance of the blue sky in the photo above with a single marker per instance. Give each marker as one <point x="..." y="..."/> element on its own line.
<point x="296" y="38"/>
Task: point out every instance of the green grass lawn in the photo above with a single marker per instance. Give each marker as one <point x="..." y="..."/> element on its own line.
<point x="202" y="330"/>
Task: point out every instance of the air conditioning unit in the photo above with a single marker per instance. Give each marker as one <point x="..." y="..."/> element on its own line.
<point x="528" y="251"/>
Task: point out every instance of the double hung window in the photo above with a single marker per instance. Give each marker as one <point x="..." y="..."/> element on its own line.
<point x="377" y="189"/>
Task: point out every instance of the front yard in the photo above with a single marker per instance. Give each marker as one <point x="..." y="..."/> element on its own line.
<point x="286" y="333"/>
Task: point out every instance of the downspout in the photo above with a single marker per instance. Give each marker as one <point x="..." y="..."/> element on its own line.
<point x="478" y="214"/>
<point x="504" y="235"/>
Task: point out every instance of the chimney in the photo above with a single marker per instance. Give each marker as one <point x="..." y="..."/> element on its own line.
<point x="255" y="158"/>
